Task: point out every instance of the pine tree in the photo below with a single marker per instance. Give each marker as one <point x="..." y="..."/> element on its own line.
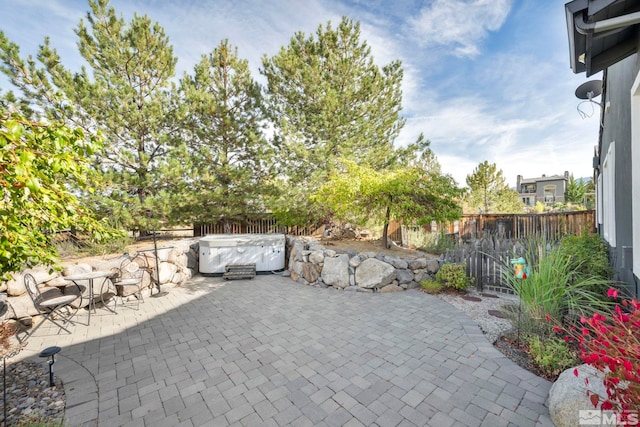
<point x="232" y="161"/>
<point x="127" y="94"/>
<point x="331" y="101"/>
<point x="489" y="191"/>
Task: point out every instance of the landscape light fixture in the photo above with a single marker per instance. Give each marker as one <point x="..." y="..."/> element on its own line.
<point x="50" y="352"/>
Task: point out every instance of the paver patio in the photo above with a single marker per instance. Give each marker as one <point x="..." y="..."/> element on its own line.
<point x="273" y="352"/>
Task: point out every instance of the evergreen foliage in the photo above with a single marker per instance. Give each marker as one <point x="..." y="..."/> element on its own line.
<point x="489" y="191"/>
<point x="126" y="93"/>
<point x="232" y="162"/>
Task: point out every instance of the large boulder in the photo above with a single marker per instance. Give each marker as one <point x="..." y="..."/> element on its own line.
<point x="42" y="274"/>
<point x="336" y="271"/>
<point x="433" y="266"/>
<point x="355" y="261"/>
<point x="396" y="262"/>
<point x="569" y="394"/>
<point x="420" y="275"/>
<point x="404" y="276"/>
<point x="373" y="273"/>
<point x="73" y="269"/>
<point x="418" y="263"/>
<point x="167" y="270"/>
<point x="316" y="257"/>
<point x="182" y="260"/>
<point x="22" y="306"/>
<point x="15" y="285"/>
<point x="309" y="272"/>
<point x="391" y="288"/>
<point x="296" y="267"/>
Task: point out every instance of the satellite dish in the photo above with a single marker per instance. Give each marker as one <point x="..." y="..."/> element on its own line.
<point x="590" y="89"/>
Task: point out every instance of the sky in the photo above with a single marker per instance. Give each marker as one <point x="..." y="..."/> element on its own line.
<point x="483" y="79"/>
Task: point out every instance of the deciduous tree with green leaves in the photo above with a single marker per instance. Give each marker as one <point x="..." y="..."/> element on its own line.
<point x="409" y="194"/>
<point x="126" y="93"/>
<point x="489" y="191"/>
<point x="232" y="160"/>
<point x="38" y="164"/>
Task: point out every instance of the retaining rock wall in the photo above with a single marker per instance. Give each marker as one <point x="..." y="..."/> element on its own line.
<point x="176" y="264"/>
<point x="310" y="263"/>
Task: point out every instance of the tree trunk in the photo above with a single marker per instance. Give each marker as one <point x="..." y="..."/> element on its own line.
<point x="385" y="228"/>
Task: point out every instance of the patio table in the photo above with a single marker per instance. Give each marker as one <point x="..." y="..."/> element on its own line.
<point x="91" y="277"/>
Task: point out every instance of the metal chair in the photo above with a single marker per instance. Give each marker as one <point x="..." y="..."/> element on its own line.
<point x="51" y="305"/>
<point x="128" y="281"/>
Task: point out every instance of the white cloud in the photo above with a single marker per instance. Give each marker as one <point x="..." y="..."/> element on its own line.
<point x="459" y="24"/>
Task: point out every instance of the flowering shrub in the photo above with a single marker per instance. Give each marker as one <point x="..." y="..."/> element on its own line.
<point x="612" y="345"/>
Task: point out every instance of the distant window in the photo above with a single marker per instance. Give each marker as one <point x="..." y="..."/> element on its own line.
<point x="528" y="188"/>
<point x="609" y="196"/>
<point x="549" y="193"/>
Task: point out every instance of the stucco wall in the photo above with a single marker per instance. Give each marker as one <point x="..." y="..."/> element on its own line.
<point x="617" y="128"/>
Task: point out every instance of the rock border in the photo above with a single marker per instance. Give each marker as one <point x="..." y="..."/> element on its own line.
<point x="176" y="264"/>
<point x="310" y="263"/>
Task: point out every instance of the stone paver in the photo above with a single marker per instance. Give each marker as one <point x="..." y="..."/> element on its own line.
<point x="269" y="351"/>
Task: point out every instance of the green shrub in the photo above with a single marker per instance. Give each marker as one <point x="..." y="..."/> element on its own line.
<point x="431" y="286"/>
<point x="437" y="243"/>
<point x="552" y="288"/>
<point x="552" y="354"/>
<point x="589" y="255"/>
<point x="454" y="276"/>
<point x="70" y="248"/>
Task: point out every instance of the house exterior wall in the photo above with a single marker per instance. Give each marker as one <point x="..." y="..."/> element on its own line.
<point x="560" y="186"/>
<point x="619" y="79"/>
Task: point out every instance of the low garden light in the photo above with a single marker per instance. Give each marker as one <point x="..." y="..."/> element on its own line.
<point x="50" y="352"/>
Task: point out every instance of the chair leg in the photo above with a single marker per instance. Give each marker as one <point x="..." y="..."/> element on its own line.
<point x="45" y="317"/>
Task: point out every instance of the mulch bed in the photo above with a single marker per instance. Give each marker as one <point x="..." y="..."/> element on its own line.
<point x="518" y="352"/>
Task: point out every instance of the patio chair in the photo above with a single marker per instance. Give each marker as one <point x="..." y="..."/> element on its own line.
<point x="51" y="304"/>
<point x="128" y="281"/>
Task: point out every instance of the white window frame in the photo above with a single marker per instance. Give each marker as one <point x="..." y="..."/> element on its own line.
<point x="635" y="173"/>
<point x="599" y="199"/>
<point x="609" y="195"/>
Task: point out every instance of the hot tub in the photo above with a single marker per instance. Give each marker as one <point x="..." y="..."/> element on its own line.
<point x="219" y="250"/>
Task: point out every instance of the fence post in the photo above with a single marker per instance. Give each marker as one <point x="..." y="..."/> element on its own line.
<point x="479" y="260"/>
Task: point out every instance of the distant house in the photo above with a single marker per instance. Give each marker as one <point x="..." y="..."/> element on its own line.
<point x="545" y="189"/>
<point x="604" y="35"/>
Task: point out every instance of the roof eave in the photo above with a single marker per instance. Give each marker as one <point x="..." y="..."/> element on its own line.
<point x="577" y="41"/>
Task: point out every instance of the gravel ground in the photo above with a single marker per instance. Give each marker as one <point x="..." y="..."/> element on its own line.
<point x="491" y="325"/>
<point x="29" y="396"/>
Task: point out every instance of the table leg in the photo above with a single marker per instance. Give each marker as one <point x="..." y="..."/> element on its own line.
<point x="104" y="281"/>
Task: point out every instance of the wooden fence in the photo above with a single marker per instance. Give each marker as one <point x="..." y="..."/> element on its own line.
<point x="263" y="225"/>
<point x="488" y="242"/>
<point x="487" y="261"/>
<point x="551" y="226"/>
